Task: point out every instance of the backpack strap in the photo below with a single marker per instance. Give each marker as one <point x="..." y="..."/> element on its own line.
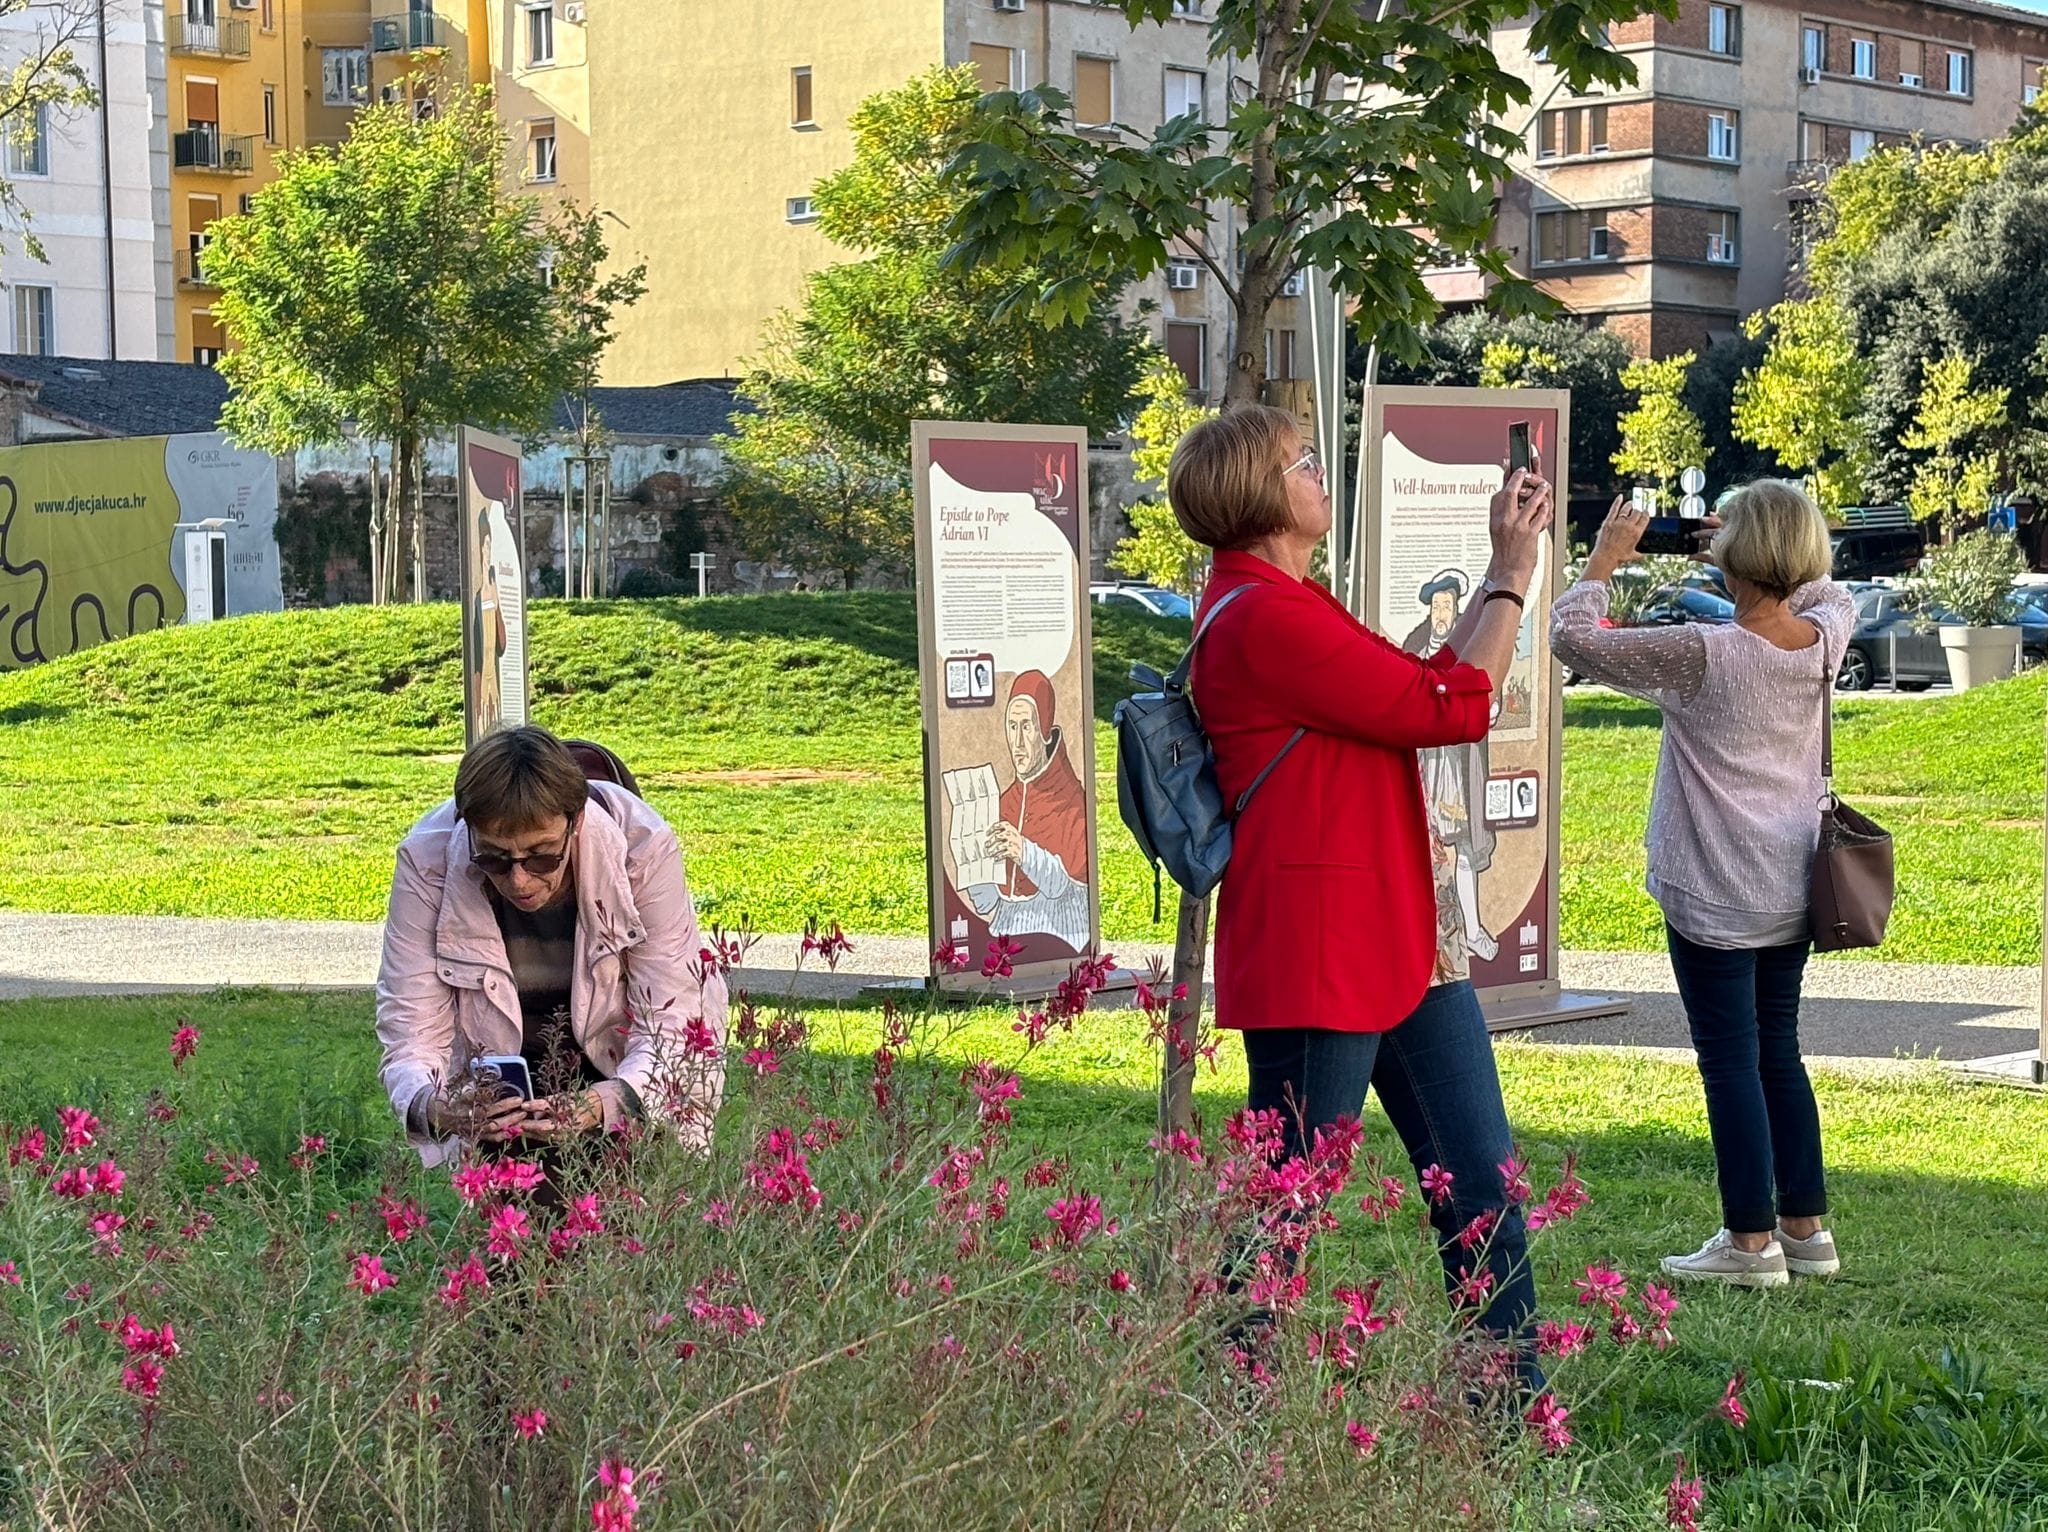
<point x="1246" y="796"/>
<point x="1179" y="679"/>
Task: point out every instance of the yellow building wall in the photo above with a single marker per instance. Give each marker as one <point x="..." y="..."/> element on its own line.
<point x="692" y="148"/>
<point x="534" y="98"/>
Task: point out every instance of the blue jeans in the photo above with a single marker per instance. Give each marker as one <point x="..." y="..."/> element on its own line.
<point x="1743" y="1008"/>
<point x="1437" y="1084"/>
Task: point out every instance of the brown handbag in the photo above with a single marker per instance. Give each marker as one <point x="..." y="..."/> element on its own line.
<point x="1852" y="866"/>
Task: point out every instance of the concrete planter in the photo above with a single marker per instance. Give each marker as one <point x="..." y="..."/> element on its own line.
<point x="1977" y="656"/>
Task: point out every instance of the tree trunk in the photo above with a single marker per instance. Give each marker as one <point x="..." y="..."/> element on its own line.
<point x="419" y="524"/>
<point x="378" y="594"/>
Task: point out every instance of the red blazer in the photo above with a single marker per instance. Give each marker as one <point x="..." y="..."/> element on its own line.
<point x="1327" y="914"/>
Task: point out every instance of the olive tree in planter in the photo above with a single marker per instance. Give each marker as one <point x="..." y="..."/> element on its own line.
<point x="1966" y="590"/>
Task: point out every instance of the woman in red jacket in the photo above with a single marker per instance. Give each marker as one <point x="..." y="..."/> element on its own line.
<point x="1327" y="920"/>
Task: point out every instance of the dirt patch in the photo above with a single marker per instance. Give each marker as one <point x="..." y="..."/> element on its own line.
<point x="772" y="778"/>
<point x="1891" y="798"/>
<point x="2013" y="824"/>
<point x="443" y="760"/>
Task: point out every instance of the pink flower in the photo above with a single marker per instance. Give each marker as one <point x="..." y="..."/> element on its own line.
<point x="1076" y="1217"/>
<point x="311" y="1147"/>
<point x="1683" y="1498"/>
<point x="1478" y="1231"/>
<point x="137" y="1340"/>
<point x="1472" y="1288"/>
<point x="1600" y="1284"/>
<point x="1563" y="1201"/>
<point x="1514" y="1180"/>
<point x="472" y="1182"/>
<point x="997" y="965"/>
<point x="508" y="1232"/>
<point x="584" y="1217"/>
<point x="469" y="1277"/>
<point x="184" y="1043"/>
<point x="1361" y="1438"/>
<point x="105" y="1226"/>
<point x="1659" y="1301"/>
<point x="1182" y="1143"/>
<point x="74" y="1184"/>
<point x="1625" y="1327"/>
<point x="1358" y="1314"/>
<point x="781" y="1172"/>
<point x="613" y="1510"/>
<point x="718" y="1213"/>
<point x="1119" y="1280"/>
<point x="516" y="1175"/>
<point x="994" y="1089"/>
<point x="79" y="1126"/>
<point x="1730" y="1408"/>
<point x="699" y="1041"/>
<point x="401" y="1219"/>
<point x="31" y="1146"/>
<point x="1548" y="1417"/>
<point x="9" y="1275"/>
<point x="108" y="1179"/>
<point x="1437" y="1182"/>
<point x="369" y="1277"/>
<point x="143" y="1377"/>
<point x="531" y="1423"/>
<point x="951" y="958"/>
<point x="1554" y="1339"/>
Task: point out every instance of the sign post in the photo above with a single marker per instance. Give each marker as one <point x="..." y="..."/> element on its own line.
<point x="488" y="529"/>
<point x="1433" y="461"/>
<point x="701" y="562"/>
<point x="1004" y="650"/>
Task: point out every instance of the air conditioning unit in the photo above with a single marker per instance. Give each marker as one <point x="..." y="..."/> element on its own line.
<point x="572" y="12"/>
<point x="1910" y="80"/>
<point x="1295" y="285"/>
<point x="242" y="5"/>
<point x="1810" y="75"/>
<point x="1008" y="5"/>
<point x="1183" y="276"/>
<point x="391" y="95"/>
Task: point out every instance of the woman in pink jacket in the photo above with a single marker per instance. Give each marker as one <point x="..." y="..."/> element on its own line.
<point x="540" y="914"/>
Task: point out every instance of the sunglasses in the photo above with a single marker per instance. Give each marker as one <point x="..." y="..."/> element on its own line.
<point x="540" y="863"/>
<point x="1310" y="462"/>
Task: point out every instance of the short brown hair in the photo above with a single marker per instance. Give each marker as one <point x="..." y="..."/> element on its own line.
<point x="518" y="779"/>
<point x="1228" y="482"/>
<point x="1773" y="536"/>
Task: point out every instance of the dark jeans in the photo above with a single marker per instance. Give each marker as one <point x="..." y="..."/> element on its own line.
<point x="1743" y="1008"/>
<point x="1436" y="1081"/>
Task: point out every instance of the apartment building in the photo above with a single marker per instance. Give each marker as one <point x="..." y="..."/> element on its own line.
<point x="95" y="184"/>
<point x="1670" y="209"/>
<point x="706" y="125"/>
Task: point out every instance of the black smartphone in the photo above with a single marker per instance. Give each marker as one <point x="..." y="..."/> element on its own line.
<point x="1520" y="455"/>
<point x="1671" y="534"/>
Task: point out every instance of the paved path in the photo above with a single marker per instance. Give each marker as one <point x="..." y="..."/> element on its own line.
<point x="1854" y="1010"/>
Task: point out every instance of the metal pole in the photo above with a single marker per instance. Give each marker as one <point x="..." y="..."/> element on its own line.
<point x="602" y="466"/>
<point x="376" y="535"/>
<point x="419" y="526"/>
<point x="2041" y="1046"/>
<point x="583" y="531"/>
<point x="568" y="552"/>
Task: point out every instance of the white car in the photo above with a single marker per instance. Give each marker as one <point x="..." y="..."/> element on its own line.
<point x="1150" y="599"/>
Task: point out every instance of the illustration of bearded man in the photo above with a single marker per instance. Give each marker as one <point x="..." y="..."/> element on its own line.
<point x="1454" y="776"/>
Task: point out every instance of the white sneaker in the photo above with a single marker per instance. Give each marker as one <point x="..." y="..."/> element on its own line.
<point x="1720" y="1260"/>
<point x="1813" y="1257"/>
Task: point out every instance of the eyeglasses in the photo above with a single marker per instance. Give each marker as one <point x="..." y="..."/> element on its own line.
<point x="1310" y="462"/>
<point x="539" y="863"/>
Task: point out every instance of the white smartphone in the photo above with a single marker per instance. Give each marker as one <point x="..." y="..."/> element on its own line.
<point x="513" y="1070"/>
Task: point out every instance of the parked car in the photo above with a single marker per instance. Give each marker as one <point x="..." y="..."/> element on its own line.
<point x="1887" y="625"/>
<point x="1869" y="553"/>
<point x="1150" y="599"/>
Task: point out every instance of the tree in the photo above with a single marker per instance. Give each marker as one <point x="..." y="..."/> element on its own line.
<point x="1660" y="437"/>
<point x="1710" y="395"/>
<point x="47" y="76"/>
<point x="1157" y="549"/>
<point x="1355" y="138"/>
<point x="898" y="335"/>
<point x="1479" y="349"/>
<point x="1803" y="403"/>
<point x="392" y="284"/>
<point x="1954" y="483"/>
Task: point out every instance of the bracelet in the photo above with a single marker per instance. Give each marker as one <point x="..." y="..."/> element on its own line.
<point x="1504" y="594"/>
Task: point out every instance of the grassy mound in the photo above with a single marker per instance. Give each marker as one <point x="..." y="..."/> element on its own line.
<point x="267" y="765"/>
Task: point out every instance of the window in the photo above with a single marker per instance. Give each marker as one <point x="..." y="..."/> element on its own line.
<point x="999" y="68"/>
<point x="1596" y="129"/>
<point x="1815" y="135"/>
<point x="1724" y="30"/>
<point x="1094" y="92"/>
<point x="207" y="340"/>
<point x="1863" y="58"/>
<point x="1187" y="346"/>
<point x="1187" y="7"/>
<point x="2030" y="81"/>
<point x="35" y="320"/>
<point x="1813" y="49"/>
<point x="200" y="13"/>
<point x="1721" y="232"/>
<point x="800" y="99"/>
<point x="800" y="210"/>
<point x="1861" y="142"/>
<point x="1959" y="74"/>
<point x="1573" y="130"/>
<point x="344" y="76"/>
<point x="540" y="34"/>
<point x="270" y="114"/>
<point x="269" y="14"/>
<point x="1912" y="62"/>
<point x="1571" y="236"/>
<point x="28" y="144"/>
<point x="1185" y="89"/>
<point x="1721" y="136"/>
<point x="1280" y="355"/>
<point x="541" y="140"/>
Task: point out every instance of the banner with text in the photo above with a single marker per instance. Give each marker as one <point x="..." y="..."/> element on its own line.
<point x="89" y="546"/>
<point x="1434" y="459"/>
<point x="493" y="584"/>
<point x="1009" y="705"/>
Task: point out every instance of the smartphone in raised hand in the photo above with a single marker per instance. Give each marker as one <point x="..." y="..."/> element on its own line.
<point x="1521" y="454"/>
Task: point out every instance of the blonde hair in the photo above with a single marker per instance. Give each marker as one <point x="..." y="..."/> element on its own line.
<point x="1228" y="481"/>
<point x="1773" y="536"/>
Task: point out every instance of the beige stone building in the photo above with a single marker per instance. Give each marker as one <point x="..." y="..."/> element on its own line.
<point x="702" y="128"/>
<point x="1670" y="209"/>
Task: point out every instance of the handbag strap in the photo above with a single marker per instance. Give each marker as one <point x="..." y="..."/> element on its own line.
<point x="1827" y="726"/>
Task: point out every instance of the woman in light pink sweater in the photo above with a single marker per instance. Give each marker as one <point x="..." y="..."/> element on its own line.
<point x="1734" y="820"/>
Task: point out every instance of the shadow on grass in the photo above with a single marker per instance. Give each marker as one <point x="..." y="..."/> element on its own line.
<point x="32" y="712"/>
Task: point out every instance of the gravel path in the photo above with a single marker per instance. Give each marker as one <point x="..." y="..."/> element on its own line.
<point x="1854" y="1010"/>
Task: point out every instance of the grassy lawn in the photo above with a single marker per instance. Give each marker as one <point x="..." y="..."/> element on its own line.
<point x="1935" y="1190"/>
<point x="266" y="766"/>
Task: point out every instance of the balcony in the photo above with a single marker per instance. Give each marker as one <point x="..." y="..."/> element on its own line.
<point x="216" y="39"/>
<point x="409" y="32"/>
<point x="192" y="269"/>
<point x="208" y="149"/>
